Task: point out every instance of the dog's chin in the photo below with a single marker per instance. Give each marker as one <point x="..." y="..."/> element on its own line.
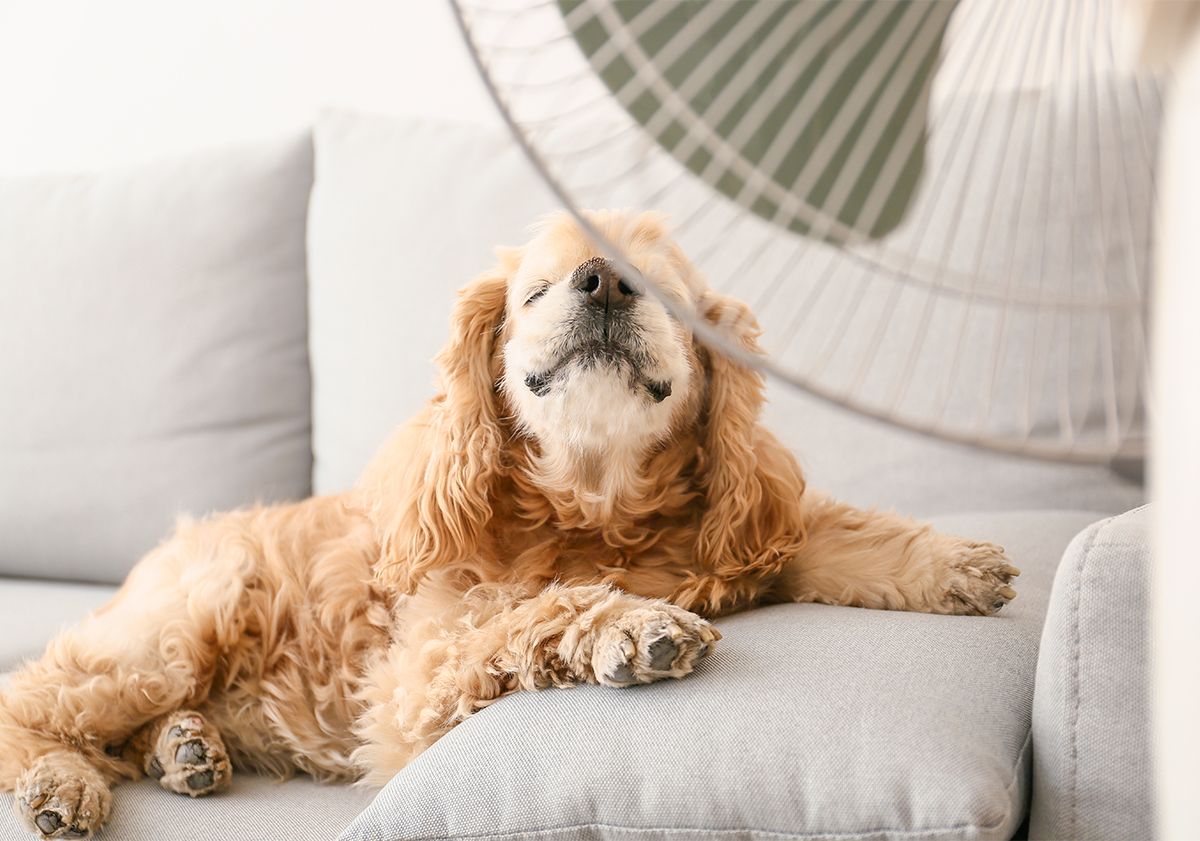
<point x="606" y="358"/>
<point x="593" y="409"/>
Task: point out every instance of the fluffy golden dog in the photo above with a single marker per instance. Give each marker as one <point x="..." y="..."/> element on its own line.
<point x="588" y="485"/>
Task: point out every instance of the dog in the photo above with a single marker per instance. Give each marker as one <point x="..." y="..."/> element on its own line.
<point x="589" y="488"/>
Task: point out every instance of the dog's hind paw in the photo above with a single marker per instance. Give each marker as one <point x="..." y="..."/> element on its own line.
<point x="188" y="756"/>
<point x="62" y="796"/>
<point x="650" y="643"/>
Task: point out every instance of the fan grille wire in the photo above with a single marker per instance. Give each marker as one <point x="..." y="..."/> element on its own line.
<point x="1007" y="309"/>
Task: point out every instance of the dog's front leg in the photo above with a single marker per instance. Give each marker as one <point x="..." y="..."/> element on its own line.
<point x="498" y="640"/>
<point x="879" y="560"/>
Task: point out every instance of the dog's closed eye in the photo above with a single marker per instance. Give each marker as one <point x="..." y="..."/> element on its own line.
<point x="539" y="292"/>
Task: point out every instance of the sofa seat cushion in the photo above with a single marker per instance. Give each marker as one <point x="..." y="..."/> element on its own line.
<point x="807" y="721"/>
<point x="31" y="612"/>
<point x="253" y="807"/>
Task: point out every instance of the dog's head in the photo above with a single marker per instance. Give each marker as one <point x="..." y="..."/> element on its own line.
<point x="559" y="364"/>
<point x="593" y="367"/>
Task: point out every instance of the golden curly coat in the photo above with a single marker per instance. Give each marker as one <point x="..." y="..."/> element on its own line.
<point x="587" y="485"/>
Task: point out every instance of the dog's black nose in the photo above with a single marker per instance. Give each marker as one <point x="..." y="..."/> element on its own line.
<point x="598" y="279"/>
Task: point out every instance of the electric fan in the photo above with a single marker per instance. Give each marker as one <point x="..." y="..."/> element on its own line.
<point x="940" y="212"/>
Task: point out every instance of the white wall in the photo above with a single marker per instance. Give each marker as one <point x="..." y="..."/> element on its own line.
<point x="1176" y="462"/>
<point x="89" y="83"/>
<point x="86" y="84"/>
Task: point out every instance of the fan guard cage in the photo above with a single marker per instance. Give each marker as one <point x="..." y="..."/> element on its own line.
<point x="1005" y="309"/>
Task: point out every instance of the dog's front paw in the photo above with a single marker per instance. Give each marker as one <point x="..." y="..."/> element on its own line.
<point x="646" y="644"/>
<point x="188" y="757"/>
<point x="976" y="580"/>
<point x="62" y="797"/>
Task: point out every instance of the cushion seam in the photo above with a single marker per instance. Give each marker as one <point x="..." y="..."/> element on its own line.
<point x="1105" y="524"/>
<point x="954" y="831"/>
<point x="1073" y="680"/>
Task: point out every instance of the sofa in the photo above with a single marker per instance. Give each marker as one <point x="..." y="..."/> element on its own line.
<point x="247" y="324"/>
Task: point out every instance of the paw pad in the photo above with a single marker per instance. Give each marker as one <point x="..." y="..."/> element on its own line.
<point x="623" y="673"/>
<point x="48" y="822"/>
<point x="191" y="753"/>
<point x="662" y="654"/>
<point x="200" y="780"/>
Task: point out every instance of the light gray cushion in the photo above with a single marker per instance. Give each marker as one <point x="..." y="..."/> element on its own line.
<point x="874" y="465"/>
<point x="153" y="353"/>
<point x="31" y="612"/>
<point x="807" y="722"/>
<point x="404" y="213"/>
<point x="252" y="808"/>
<point x="1091" y="730"/>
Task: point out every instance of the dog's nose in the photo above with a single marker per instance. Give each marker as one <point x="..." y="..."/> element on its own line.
<point x="604" y="288"/>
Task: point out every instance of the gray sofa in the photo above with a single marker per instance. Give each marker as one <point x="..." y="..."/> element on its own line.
<point x="199" y="335"/>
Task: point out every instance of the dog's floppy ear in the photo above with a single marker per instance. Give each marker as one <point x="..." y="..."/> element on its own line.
<point x="429" y="491"/>
<point x="751" y="487"/>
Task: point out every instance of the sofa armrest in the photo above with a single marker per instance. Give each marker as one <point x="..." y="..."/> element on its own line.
<point x="1091" y="729"/>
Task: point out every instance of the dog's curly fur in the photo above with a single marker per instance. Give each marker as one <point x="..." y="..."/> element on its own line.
<point x="486" y="549"/>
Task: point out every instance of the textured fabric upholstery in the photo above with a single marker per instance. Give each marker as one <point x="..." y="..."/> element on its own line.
<point x="153" y="353"/>
<point x="31" y="612"/>
<point x="807" y="722"/>
<point x="1091" y="707"/>
<point x="871" y="464"/>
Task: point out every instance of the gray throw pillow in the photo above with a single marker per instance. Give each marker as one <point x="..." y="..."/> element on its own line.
<point x="153" y="353"/>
